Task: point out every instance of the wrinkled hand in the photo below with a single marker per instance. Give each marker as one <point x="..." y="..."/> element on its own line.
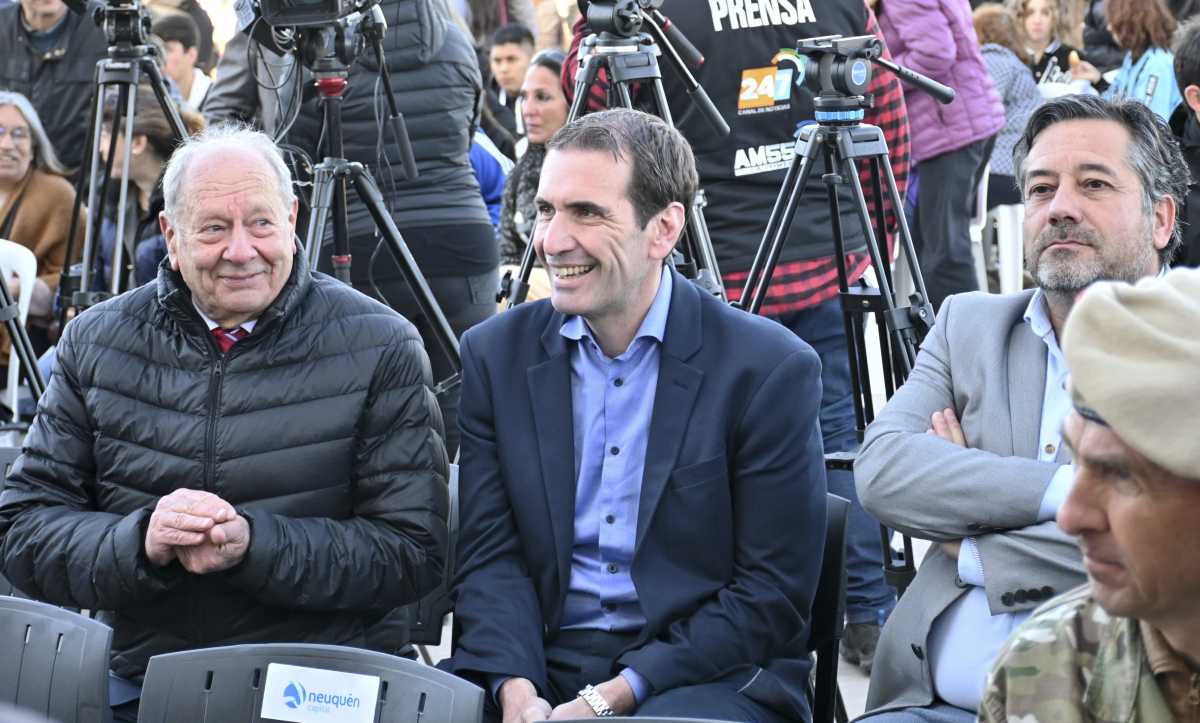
<point x="183" y="518"/>
<point x="225" y="547"/>
<point x="519" y="702"/>
<point x="945" y="425"/>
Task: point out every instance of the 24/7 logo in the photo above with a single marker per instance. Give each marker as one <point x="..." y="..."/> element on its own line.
<point x="769" y="89"/>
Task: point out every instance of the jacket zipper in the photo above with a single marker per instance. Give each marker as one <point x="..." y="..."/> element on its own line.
<point x="210" y="441"/>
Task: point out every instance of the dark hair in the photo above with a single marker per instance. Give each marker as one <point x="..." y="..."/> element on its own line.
<point x="1154" y="153"/>
<point x="997" y="25"/>
<point x="1140" y="25"/>
<point x="662" y="168"/>
<point x="149" y="121"/>
<point x="551" y="59"/>
<point x="515" y="33"/>
<point x="179" y="27"/>
<point x="1187" y="54"/>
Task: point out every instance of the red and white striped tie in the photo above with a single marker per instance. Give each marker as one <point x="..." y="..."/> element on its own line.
<point x="226" y="338"/>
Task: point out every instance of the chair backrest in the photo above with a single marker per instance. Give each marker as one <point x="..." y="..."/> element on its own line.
<point x="829" y="610"/>
<point x="233" y="683"/>
<point x="17" y="260"/>
<point x="8" y="455"/>
<point x="54" y="661"/>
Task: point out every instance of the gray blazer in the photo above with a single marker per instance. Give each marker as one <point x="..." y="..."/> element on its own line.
<point x="982" y="360"/>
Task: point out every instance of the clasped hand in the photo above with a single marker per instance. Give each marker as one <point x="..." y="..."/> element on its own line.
<point x="201" y="530"/>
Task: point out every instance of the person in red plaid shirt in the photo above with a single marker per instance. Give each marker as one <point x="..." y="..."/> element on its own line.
<point x="751" y="74"/>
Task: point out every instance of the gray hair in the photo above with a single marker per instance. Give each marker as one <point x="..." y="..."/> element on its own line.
<point x="234" y="136"/>
<point x="44" y="156"/>
<point x="1154" y="153"/>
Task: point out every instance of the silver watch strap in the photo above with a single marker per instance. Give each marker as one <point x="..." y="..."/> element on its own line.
<point x="599" y="705"/>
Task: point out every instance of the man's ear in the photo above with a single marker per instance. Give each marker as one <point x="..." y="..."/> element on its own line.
<point x="1191" y="96"/>
<point x="1164" y="221"/>
<point x="665" y="228"/>
<point x="139" y="144"/>
<point x="192" y="54"/>
<point x="171" y="238"/>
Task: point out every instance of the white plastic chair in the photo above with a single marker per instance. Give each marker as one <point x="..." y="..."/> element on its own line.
<point x="1010" y="250"/>
<point x="978" y="222"/>
<point x="17" y="260"/>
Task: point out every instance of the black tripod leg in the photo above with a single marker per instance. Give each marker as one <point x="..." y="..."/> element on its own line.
<point x="778" y="226"/>
<point x="371" y="198"/>
<point x="518" y="287"/>
<point x="116" y="283"/>
<point x="583" y="84"/>
<point x="66" y="284"/>
<point x="20" y="339"/>
<point x="159" y="85"/>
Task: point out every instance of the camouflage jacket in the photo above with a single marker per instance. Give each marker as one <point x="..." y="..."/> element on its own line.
<point x="1071" y="662"/>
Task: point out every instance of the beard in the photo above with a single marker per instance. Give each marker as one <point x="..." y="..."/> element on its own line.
<point x="1062" y="271"/>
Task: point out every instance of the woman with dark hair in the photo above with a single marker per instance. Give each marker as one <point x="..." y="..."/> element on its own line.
<point x="1144" y="29"/>
<point x="152" y="146"/>
<point x="544" y="110"/>
<point x="1000" y="46"/>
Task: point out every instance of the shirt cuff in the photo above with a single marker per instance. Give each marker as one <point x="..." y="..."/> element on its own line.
<point x="641" y="686"/>
<point x="970" y="565"/>
<point x="1056" y="492"/>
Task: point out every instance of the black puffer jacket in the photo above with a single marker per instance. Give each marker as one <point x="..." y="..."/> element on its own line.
<point x="320" y="428"/>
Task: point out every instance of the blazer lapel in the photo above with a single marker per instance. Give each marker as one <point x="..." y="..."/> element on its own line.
<point x="550" y="392"/>
<point x="1026" y="388"/>
<point x="678" y="386"/>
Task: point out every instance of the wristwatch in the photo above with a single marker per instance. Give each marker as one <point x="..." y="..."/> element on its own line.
<point x="599" y="705"/>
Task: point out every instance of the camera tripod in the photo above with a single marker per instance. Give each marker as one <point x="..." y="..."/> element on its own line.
<point x="131" y="59"/>
<point x="631" y="57"/>
<point x="328" y="52"/>
<point x="834" y="143"/>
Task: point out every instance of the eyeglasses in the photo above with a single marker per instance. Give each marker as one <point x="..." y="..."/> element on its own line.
<point x="20" y="134"/>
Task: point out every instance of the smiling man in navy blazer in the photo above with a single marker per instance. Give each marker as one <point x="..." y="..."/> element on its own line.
<point x="642" y="485"/>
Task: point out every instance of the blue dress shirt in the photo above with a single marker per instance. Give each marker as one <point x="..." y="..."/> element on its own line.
<point x="960" y="670"/>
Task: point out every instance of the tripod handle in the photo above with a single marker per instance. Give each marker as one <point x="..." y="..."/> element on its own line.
<point x="710" y="112"/>
<point x="688" y="52"/>
<point x="407" y="159"/>
<point x="943" y="93"/>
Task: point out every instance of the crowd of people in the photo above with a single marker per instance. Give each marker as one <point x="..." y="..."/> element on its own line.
<point x="238" y="448"/>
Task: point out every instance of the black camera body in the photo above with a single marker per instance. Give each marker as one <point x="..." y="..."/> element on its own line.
<point x="307" y="13"/>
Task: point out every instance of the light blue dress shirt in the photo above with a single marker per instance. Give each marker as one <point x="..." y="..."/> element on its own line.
<point x="960" y="668"/>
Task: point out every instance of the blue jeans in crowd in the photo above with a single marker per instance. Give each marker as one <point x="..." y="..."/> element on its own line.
<point x="868" y="596"/>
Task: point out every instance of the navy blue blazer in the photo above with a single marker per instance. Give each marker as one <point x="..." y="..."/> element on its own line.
<point x="731" y="522"/>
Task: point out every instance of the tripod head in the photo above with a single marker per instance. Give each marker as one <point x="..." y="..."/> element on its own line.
<point x="126" y="24"/>
<point x="838" y="71"/>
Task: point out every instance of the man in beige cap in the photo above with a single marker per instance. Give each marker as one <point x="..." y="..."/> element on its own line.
<point x="1125" y="647"/>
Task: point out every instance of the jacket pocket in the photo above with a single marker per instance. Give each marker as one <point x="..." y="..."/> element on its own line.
<point x="700" y="473"/>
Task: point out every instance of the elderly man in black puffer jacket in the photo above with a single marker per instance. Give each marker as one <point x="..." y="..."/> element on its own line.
<point x="203" y="490"/>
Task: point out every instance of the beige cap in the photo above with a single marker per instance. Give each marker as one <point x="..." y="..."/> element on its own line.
<point x="1134" y="356"/>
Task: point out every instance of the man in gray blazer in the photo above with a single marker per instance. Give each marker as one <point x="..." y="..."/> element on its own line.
<point x="1101" y="183"/>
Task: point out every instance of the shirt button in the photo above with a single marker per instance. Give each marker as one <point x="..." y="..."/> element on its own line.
<point x="1049" y="449"/>
<point x="610" y="519"/>
<point x="618" y="382"/>
<point x="615" y="450"/>
<point x="612" y="568"/>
